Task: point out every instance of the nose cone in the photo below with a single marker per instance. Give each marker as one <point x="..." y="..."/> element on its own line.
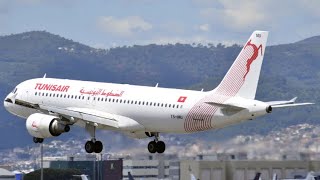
<point x="8" y="102"/>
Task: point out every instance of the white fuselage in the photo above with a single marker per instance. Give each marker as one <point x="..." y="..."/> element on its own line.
<point x="157" y="109"/>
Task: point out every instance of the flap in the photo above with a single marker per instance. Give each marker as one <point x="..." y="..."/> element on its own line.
<point x="88" y="115"/>
<point x="96" y="116"/>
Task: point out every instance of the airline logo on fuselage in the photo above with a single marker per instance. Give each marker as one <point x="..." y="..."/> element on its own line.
<point x="182" y="99"/>
<point x="102" y="92"/>
<point x="52" y="87"/>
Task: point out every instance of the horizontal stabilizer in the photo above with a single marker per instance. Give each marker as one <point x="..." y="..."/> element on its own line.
<point x="290" y="103"/>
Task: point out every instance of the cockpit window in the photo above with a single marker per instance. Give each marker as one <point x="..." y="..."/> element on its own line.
<point x="14" y="90"/>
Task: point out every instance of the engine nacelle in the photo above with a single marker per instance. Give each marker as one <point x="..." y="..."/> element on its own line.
<point x="44" y="126"/>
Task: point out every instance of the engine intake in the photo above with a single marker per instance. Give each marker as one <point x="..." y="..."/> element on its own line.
<point x="44" y="126"/>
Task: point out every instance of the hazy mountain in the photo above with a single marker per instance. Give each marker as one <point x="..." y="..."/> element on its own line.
<point x="289" y="70"/>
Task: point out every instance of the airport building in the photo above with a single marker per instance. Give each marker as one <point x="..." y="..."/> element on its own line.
<point x="204" y="167"/>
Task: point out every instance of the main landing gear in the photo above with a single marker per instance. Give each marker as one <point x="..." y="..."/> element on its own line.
<point x="37" y="140"/>
<point x="156" y="145"/>
<point x="93" y="145"/>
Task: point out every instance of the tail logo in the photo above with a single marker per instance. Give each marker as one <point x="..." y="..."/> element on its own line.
<point x="253" y="57"/>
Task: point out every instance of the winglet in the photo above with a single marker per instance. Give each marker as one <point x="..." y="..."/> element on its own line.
<point x="293" y="99"/>
<point x="45" y="75"/>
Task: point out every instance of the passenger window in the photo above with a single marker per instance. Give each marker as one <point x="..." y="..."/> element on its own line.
<point x="35" y="93"/>
<point x="169" y="105"/>
<point x="124" y="101"/>
<point x="173" y="106"/>
<point x="121" y="101"/>
<point x="46" y="94"/>
<point x="112" y="100"/>
<point x="139" y="102"/>
<point x="117" y="100"/>
<point x="82" y="97"/>
<point x="98" y="99"/>
<point x="76" y="97"/>
<point x="135" y="102"/>
<point x="88" y="98"/>
<point x="106" y="100"/>
<point x="71" y="96"/>
<point x="143" y="103"/>
<point x="165" y="105"/>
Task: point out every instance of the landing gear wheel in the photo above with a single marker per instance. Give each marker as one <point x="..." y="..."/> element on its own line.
<point x="37" y="140"/>
<point x="152" y="147"/>
<point x="89" y="146"/>
<point x="67" y="128"/>
<point x="161" y="147"/>
<point x="98" y="146"/>
<point x="40" y="140"/>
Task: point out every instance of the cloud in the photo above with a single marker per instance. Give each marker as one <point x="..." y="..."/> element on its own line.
<point x="204" y="27"/>
<point x="4" y="6"/>
<point x="123" y="27"/>
<point x="236" y="15"/>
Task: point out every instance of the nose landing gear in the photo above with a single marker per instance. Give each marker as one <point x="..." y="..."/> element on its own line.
<point x="37" y="140"/>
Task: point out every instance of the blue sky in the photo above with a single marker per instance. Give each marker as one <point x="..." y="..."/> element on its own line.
<point x="110" y="23"/>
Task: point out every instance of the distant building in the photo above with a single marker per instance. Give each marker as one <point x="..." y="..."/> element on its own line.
<point x="104" y="170"/>
<point x="6" y="175"/>
<point x="146" y="169"/>
<point x="244" y="169"/>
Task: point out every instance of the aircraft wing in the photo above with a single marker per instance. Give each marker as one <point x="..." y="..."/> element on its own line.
<point x="74" y="114"/>
<point x="290" y="103"/>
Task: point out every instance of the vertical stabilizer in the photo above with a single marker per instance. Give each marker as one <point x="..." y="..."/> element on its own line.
<point x="243" y="76"/>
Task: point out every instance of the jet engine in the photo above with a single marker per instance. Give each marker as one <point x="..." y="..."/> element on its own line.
<point x="44" y="126"/>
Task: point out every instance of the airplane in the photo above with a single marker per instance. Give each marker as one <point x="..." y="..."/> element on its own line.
<point x="82" y="176"/>
<point x="50" y="106"/>
<point x="258" y="176"/>
<point x="130" y="177"/>
<point x="275" y="176"/>
<point x="310" y="176"/>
